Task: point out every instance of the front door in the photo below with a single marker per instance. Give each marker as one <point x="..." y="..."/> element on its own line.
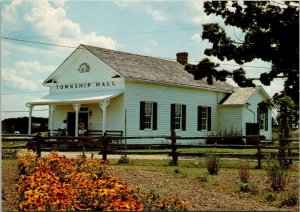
<point x="252" y="129"/>
<point x="83" y="116"/>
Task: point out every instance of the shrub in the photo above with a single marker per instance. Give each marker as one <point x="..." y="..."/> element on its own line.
<point x="244" y="172"/>
<point x="248" y="187"/>
<point x="203" y="177"/>
<point x="176" y="171"/>
<point x="276" y="174"/>
<point x="212" y="161"/>
<point x="290" y="198"/>
<point x="9" y="153"/>
<point x="123" y="160"/>
<point x="270" y="197"/>
<point x="153" y="202"/>
<point x="56" y="183"/>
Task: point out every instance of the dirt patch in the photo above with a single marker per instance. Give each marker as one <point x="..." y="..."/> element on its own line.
<point x="9" y="178"/>
<point x="219" y="194"/>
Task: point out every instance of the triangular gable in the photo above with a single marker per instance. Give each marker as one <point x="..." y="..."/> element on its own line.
<point x="81" y="66"/>
<point x="241" y="96"/>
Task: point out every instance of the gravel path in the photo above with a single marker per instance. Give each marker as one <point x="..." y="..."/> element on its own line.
<point x="88" y="155"/>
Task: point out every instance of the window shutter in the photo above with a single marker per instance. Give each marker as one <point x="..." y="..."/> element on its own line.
<point x="266" y="121"/>
<point x="172" y="117"/>
<point x="142" y="115"/>
<point x="209" y="119"/>
<point x="154" y="116"/>
<point x="183" y="128"/>
<point x="199" y="118"/>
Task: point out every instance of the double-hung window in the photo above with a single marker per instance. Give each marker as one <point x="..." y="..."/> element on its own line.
<point x="262" y="119"/>
<point x="178" y="117"/>
<point x="148" y="115"/>
<point x="204" y="118"/>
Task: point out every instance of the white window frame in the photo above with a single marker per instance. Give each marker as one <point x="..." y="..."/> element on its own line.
<point x="148" y="117"/>
<point x="178" y="117"/>
<point x="204" y="119"/>
<point x="262" y="120"/>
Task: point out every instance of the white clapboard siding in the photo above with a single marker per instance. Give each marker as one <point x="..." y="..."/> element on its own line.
<point x="60" y="114"/>
<point x="165" y="95"/>
<point x="230" y="118"/>
<point x="254" y="100"/>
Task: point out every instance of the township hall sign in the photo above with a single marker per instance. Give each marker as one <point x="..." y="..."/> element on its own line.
<point x="71" y="86"/>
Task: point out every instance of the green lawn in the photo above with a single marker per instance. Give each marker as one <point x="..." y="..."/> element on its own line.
<point x="202" y="150"/>
<point x="194" y="167"/>
<point x="14" y="143"/>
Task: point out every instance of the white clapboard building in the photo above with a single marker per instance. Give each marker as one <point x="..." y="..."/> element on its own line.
<point x="112" y="91"/>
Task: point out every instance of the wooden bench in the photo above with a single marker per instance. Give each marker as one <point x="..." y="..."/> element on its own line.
<point x="97" y="133"/>
<point x="112" y="133"/>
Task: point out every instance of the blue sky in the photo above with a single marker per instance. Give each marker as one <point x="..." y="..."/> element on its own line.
<point x="154" y="28"/>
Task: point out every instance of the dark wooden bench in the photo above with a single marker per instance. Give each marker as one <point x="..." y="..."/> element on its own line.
<point x="97" y="133"/>
<point x="54" y="132"/>
<point x="112" y="133"/>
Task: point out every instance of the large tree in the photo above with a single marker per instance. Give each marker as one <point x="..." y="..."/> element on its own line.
<point x="271" y="33"/>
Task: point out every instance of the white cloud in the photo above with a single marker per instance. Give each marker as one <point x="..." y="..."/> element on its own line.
<point x="48" y="18"/>
<point x="197" y="37"/>
<point x="51" y="21"/>
<point x="147" y="49"/>
<point x="90" y="39"/>
<point x="58" y="2"/>
<point x="10" y="13"/>
<point x="31" y="68"/>
<point x="16" y="80"/>
<point x="27" y="75"/>
<point x="144" y="7"/>
<point x="156" y="14"/>
<point x="199" y="17"/>
<point x="121" y="3"/>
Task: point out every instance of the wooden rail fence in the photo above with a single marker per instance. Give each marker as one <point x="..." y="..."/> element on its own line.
<point x="106" y="146"/>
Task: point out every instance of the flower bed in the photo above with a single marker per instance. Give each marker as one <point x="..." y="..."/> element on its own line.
<point x="57" y="183"/>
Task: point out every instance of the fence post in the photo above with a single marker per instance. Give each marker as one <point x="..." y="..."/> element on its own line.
<point x="258" y="154"/>
<point x="173" y="146"/>
<point x="282" y="154"/>
<point x="290" y="155"/>
<point x="106" y="140"/>
<point x="38" y="145"/>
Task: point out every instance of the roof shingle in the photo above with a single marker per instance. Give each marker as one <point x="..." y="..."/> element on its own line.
<point x="134" y="66"/>
<point x="240" y="96"/>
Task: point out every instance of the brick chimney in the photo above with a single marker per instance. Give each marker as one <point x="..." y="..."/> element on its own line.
<point x="182" y="58"/>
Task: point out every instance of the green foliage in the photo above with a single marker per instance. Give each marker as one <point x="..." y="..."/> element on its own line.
<point x="287" y="114"/>
<point x="123" y="160"/>
<point x="270" y="32"/>
<point x="213" y="163"/>
<point x="290" y="198"/>
<point x="176" y="171"/>
<point x="248" y="187"/>
<point x="277" y="174"/>
<point x="154" y="195"/>
<point x="154" y="202"/>
<point x="203" y="177"/>
<point x="9" y="153"/>
<point x="270" y="197"/>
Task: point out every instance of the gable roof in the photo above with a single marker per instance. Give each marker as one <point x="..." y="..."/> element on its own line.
<point x="138" y="67"/>
<point x="240" y="95"/>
